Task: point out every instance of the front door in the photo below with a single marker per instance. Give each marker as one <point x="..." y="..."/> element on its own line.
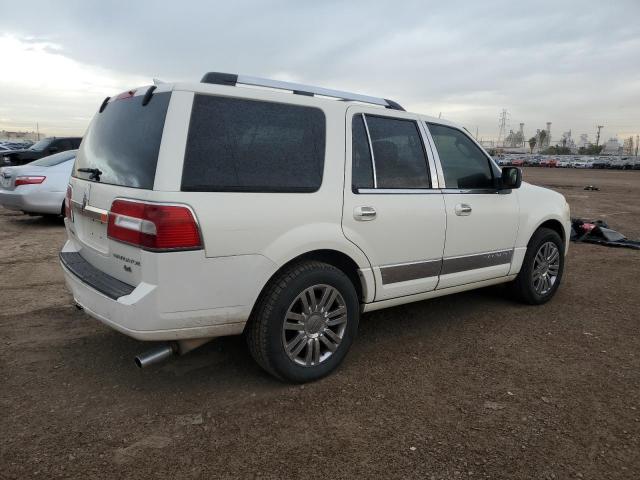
<point x="482" y="221"/>
<point x="391" y="210"/>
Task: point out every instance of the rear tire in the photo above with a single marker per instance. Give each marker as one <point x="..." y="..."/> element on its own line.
<point x="542" y="268"/>
<point x="304" y="322"/>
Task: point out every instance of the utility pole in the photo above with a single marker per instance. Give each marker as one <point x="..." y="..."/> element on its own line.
<point x="637" y="143"/>
<point x="599" y="127"/>
<point x="38" y="130"/>
<point x="476" y="133"/>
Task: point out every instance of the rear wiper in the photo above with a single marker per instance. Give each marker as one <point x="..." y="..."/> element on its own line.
<point x="95" y="173"/>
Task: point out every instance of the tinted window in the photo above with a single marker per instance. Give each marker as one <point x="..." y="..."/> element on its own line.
<point x="253" y="146"/>
<point x="361" y="167"/>
<point x="62" y="145"/>
<point x="124" y="140"/>
<point x="400" y="161"/>
<point x="56" y="159"/>
<point x="464" y="165"/>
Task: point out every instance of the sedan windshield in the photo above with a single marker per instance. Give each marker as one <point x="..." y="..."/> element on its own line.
<point x="41" y="145"/>
<point x="53" y="160"/>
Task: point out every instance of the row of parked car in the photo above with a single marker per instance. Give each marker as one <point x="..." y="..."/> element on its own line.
<point x="11" y="145"/>
<point x="34" y="179"/>
<point x="608" y="162"/>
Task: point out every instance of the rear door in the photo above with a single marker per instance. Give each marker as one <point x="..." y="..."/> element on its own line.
<point x="482" y="221"/>
<point x="391" y="210"/>
<point x="117" y="158"/>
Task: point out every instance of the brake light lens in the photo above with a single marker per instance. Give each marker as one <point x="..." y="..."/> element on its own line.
<point x="29" y="180"/>
<point x="153" y="227"/>
<point x="67" y="203"/>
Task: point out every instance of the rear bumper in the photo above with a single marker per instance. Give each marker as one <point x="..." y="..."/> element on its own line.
<point x="137" y="314"/>
<point x="28" y="199"/>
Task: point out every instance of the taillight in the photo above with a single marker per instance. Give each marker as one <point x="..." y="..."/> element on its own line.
<point x="29" y="180"/>
<point x="153" y="227"/>
<point x="67" y="203"/>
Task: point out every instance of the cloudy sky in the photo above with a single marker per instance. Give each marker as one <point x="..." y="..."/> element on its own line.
<point x="576" y="64"/>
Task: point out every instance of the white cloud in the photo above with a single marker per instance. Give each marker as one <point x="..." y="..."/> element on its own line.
<point x="39" y="83"/>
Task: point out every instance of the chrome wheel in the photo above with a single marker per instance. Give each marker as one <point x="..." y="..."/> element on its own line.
<point x="314" y="325"/>
<point x="546" y="267"/>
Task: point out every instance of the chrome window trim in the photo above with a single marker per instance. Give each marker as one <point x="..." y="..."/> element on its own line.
<point x="427" y="141"/>
<point x="436" y="156"/>
<point x="373" y="158"/>
<point x="451" y="191"/>
<point x="400" y="191"/>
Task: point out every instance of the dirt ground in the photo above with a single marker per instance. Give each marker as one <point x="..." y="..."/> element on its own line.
<point x="466" y="386"/>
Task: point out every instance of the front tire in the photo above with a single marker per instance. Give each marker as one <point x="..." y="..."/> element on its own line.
<point x="542" y="268"/>
<point x="304" y="322"/>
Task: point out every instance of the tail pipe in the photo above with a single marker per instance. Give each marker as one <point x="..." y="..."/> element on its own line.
<point x="167" y="350"/>
<point x="156" y="355"/>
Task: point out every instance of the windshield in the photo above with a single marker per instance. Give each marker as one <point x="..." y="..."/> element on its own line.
<point x="53" y="160"/>
<point x="41" y="145"/>
<point x="123" y="142"/>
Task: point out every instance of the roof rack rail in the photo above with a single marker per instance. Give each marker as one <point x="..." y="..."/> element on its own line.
<point x="231" y="79"/>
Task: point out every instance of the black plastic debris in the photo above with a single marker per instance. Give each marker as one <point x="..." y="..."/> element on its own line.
<point x="592" y="187"/>
<point x="597" y="231"/>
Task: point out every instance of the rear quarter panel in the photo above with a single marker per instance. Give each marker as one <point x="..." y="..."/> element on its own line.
<point x="277" y="226"/>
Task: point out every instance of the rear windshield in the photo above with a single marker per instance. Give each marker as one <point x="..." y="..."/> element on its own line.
<point x="123" y="142"/>
<point x="56" y="159"/>
<point x="253" y="146"/>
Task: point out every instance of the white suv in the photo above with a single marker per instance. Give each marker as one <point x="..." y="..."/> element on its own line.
<point x="283" y="211"/>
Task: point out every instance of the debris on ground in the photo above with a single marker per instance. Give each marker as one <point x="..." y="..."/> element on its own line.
<point x="597" y="231"/>
<point x="591" y="187"/>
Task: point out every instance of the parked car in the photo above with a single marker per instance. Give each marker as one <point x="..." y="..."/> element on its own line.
<point x="39" y="187"/>
<point x="284" y="215"/>
<point x="564" y="164"/>
<point x="46" y="146"/>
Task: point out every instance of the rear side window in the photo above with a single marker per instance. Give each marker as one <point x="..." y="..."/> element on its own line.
<point x="398" y="153"/>
<point x="253" y="146"/>
<point x="124" y="140"/>
<point x="463" y="163"/>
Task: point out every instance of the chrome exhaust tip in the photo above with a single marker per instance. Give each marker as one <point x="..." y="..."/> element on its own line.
<point x="156" y="355"/>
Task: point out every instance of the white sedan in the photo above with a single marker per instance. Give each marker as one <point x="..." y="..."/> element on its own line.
<point x="38" y="187"/>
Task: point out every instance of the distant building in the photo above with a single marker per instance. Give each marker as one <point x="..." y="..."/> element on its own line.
<point x="584" y="141"/>
<point x="567" y="141"/>
<point x="612" y="147"/>
<point x="9" y="135"/>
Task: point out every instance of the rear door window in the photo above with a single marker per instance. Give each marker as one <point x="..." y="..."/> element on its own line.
<point x="253" y="146"/>
<point x="398" y="154"/>
<point x="123" y="141"/>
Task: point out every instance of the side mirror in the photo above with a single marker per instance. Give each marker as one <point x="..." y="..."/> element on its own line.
<point x="53" y="150"/>
<point x="511" y="178"/>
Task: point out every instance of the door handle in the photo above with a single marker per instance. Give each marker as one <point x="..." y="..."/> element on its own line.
<point x="463" y="209"/>
<point x="364" y="213"/>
